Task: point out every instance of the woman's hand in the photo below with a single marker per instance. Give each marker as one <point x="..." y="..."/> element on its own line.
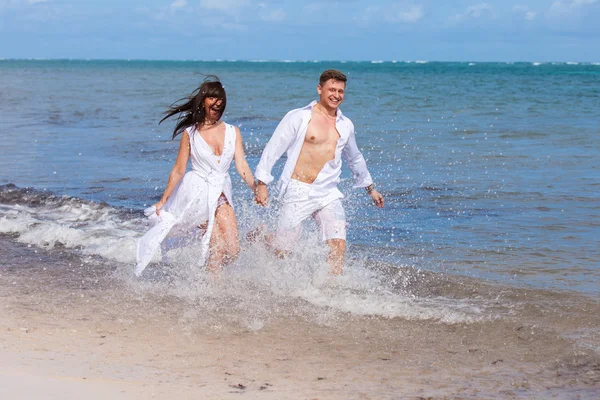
<point x="159" y="206"/>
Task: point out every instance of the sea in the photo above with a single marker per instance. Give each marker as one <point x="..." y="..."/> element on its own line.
<point x="490" y="173"/>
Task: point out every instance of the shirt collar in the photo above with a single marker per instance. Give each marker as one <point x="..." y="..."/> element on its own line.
<point x="339" y="115"/>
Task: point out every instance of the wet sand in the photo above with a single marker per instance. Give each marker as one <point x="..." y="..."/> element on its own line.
<point x="71" y="332"/>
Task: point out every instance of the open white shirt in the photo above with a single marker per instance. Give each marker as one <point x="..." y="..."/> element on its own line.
<point x="289" y="137"/>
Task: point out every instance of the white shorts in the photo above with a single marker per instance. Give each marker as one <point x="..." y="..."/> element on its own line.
<point x="327" y="211"/>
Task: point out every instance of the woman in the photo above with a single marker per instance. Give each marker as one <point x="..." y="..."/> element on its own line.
<point x="200" y="198"/>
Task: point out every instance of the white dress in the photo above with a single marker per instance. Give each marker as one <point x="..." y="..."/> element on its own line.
<point x="194" y="201"/>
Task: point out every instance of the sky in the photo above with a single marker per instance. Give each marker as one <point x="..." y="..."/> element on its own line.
<point x="432" y="30"/>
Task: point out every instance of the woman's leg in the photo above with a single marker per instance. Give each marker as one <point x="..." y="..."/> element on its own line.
<point x="224" y="243"/>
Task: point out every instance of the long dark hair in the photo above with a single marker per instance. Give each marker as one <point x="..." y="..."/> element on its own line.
<point x="191" y="108"/>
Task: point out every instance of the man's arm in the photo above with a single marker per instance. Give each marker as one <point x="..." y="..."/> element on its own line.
<point x="278" y="144"/>
<point x="357" y="164"/>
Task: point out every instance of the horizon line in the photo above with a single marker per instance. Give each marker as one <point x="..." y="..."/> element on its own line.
<point x="379" y="61"/>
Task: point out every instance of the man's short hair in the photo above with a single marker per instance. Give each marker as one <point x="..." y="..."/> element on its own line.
<point x="332" y="74"/>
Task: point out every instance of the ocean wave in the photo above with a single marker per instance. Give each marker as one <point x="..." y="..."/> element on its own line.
<point x="45" y="220"/>
<point x="261" y="284"/>
<point x="92" y="230"/>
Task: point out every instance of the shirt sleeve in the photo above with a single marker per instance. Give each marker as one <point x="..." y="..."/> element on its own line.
<point x="281" y="141"/>
<point x="356" y="162"/>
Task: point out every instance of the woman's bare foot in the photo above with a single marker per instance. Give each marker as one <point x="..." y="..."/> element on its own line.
<point x="258" y="233"/>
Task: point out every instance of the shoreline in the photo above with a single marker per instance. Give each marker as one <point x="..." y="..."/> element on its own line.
<point x="70" y="332"/>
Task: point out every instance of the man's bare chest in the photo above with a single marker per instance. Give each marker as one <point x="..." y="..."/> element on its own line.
<point x="321" y="134"/>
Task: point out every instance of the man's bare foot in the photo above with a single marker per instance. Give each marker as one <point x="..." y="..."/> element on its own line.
<point x="335" y="272"/>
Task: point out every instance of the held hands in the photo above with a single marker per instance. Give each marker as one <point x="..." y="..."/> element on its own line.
<point x="261" y="194"/>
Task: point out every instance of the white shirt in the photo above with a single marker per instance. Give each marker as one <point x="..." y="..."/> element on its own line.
<point x="289" y="137"/>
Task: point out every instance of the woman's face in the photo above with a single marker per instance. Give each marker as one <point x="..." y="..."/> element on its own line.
<point x="212" y="107"/>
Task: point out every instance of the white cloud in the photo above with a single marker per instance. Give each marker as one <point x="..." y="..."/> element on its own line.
<point x="474" y="12"/>
<point x="562" y="7"/>
<point x="178" y="4"/>
<point x="313" y="7"/>
<point x="227" y="6"/>
<point x="328" y="5"/>
<point x="164" y="13"/>
<point x="274" y="15"/>
<point x="406" y="13"/>
<point x="524" y="11"/>
<point x="28" y="11"/>
<point x="411" y="15"/>
<point x="17" y="3"/>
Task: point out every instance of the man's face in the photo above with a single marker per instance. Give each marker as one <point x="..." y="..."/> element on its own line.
<point x="331" y="94"/>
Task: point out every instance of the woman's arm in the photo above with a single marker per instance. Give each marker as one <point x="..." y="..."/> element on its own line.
<point x="240" y="162"/>
<point x="178" y="170"/>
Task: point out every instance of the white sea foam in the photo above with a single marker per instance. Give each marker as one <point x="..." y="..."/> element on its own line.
<point x="377" y="62"/>
<point x="260" y="283"/>
<point x="92" y="229"/>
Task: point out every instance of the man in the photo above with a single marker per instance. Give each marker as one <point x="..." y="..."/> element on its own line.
<point x="315" y="138"/>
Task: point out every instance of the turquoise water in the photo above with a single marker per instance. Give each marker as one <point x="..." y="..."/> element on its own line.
<point x="489" y="170"/>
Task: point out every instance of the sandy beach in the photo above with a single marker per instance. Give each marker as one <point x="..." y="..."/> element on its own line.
<point x="69" y="333"/>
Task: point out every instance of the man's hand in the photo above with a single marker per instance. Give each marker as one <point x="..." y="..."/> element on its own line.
<point x="377" y="198"/>
<point x="261" y="194"/>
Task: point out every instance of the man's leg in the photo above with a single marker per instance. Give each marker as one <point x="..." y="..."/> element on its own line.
<point x="332" y="222"/>
<point x="287" y="234"/>
<point x="337" y="249"/>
